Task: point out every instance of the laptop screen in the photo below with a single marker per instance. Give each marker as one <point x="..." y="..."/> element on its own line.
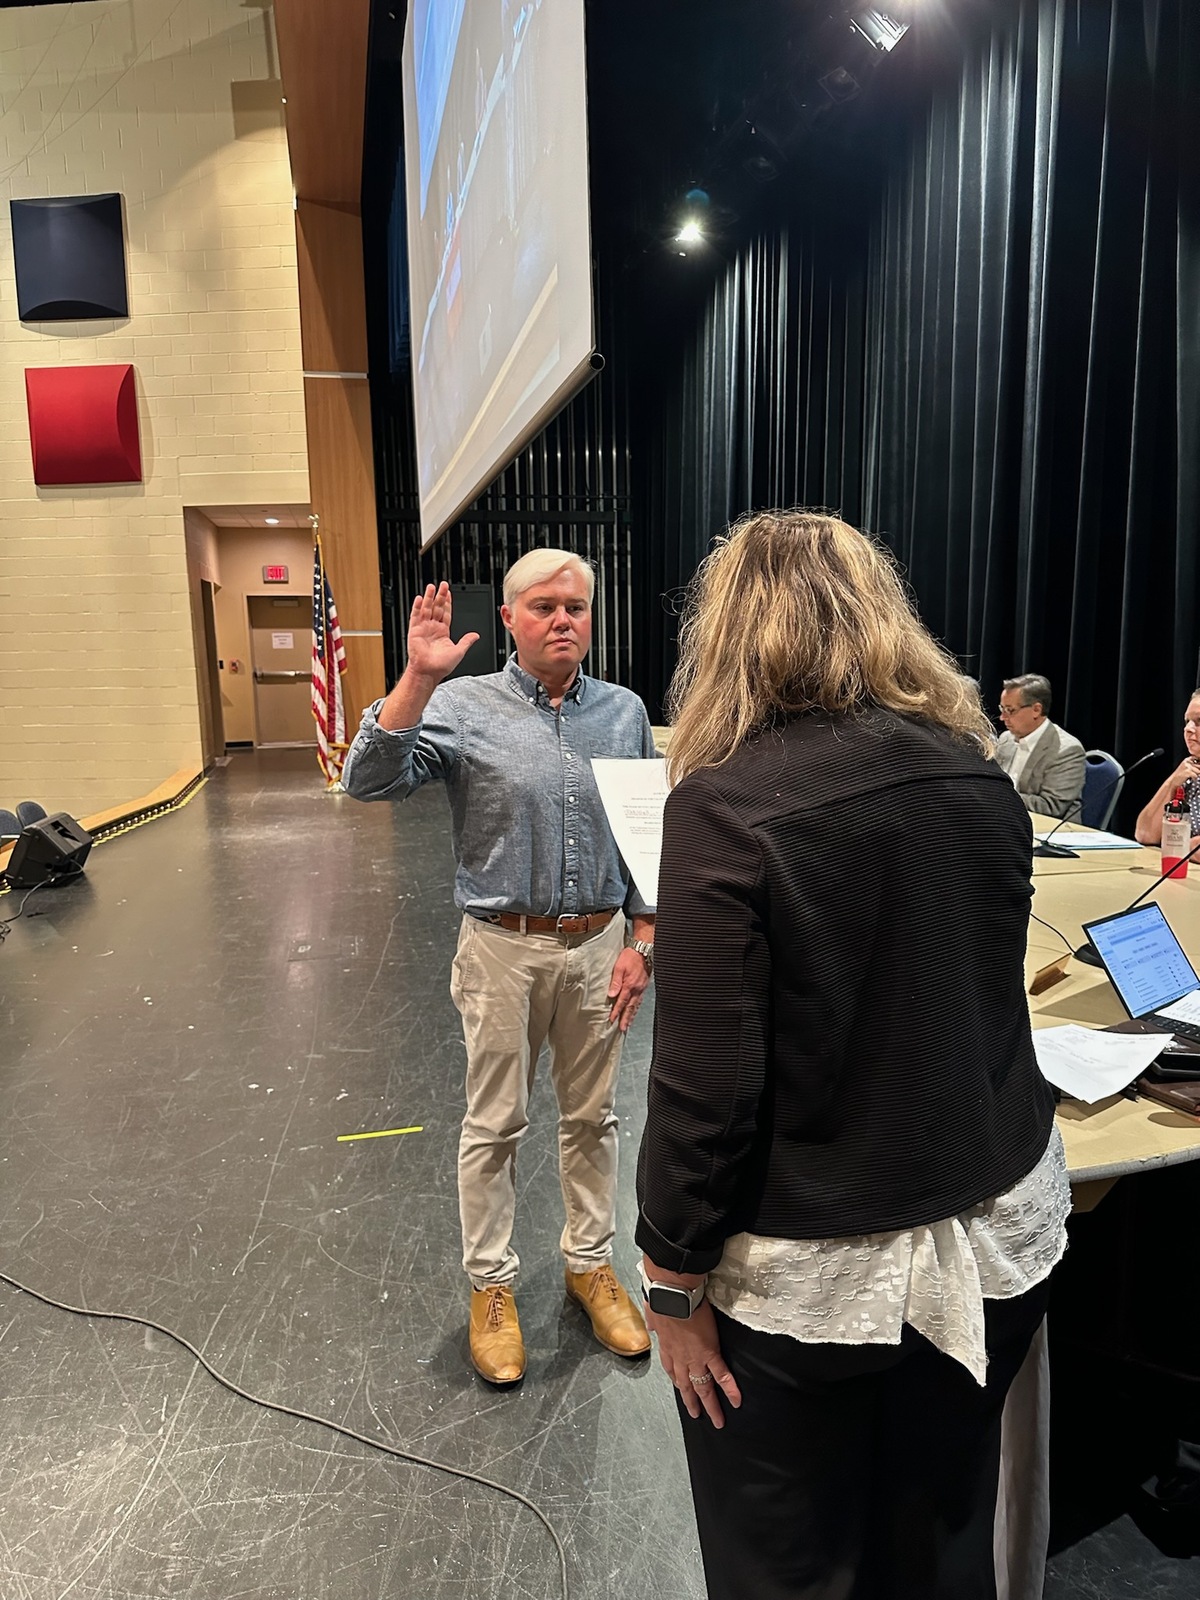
<point x="1143" y="958"/>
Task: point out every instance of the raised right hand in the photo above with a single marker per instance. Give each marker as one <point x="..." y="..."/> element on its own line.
<point x="432" y="654"/>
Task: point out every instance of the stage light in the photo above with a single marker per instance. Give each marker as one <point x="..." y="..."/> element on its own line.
<point x="690" y="233"/>
<point x="839" y="85"/>
<point x="881" y="31"/>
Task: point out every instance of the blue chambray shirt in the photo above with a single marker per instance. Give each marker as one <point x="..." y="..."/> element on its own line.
<point x="529" y="831"/>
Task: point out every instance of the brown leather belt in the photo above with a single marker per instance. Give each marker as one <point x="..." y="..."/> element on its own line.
<point x="515" y="923"/>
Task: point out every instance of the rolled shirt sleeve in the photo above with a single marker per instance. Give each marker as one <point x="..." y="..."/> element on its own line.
<point x="391" y="764"/>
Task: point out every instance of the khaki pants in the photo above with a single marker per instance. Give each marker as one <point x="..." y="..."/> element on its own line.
<point x="516" y="992"/>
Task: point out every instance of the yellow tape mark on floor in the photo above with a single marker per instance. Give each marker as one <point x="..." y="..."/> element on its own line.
<point x="380" y="1133"/>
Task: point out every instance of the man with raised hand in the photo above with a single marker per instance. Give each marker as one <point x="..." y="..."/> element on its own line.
<point x="542" y="952"/>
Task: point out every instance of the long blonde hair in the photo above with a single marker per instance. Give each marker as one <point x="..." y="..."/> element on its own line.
<point x="797" y="611"/>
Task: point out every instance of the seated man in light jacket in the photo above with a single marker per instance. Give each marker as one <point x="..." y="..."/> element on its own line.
<point x="1044" y="762"/>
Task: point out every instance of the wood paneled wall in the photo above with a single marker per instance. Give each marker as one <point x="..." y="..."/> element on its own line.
<point x="323" y="62"/>
<point x="342" y="477"/>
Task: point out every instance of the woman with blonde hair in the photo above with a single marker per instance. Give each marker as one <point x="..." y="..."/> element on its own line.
<point x="851" y="1190"/>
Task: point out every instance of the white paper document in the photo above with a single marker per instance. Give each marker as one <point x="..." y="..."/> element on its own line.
<point x="1097" y="840"/>
<point x="633" y="794"/>
<point x="1185" y="1010"/>
<point x="1089" y="1065"/>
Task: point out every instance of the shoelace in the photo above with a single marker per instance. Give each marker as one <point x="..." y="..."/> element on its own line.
<point x="495" y="1310"/>
<point x="604" y="1279"/>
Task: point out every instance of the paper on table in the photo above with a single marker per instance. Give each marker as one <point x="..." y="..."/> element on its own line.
<point x="633" y="794"/>
<point x="1185" y="1010"/>
<point x="1089" y="840"/>
<point x="1089" y="1065"/>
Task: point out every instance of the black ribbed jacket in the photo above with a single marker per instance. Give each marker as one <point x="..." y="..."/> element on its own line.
<point x="841" y="1038"/>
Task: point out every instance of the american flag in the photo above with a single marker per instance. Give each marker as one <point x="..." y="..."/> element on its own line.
<point x="328" y="664"/>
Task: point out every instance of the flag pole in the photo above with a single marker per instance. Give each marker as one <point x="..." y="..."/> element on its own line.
<point x="328" y="665"/>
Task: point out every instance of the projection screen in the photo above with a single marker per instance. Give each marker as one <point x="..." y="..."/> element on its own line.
<point x="499" y="236"/>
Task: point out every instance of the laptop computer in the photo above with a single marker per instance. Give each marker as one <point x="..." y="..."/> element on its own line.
<point x="1150" y="972"/>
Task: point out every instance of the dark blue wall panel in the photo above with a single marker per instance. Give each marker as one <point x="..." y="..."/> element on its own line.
<point x="70" y="258"/>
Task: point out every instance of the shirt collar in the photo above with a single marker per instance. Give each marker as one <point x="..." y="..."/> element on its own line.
<point x="533" y="690"/>
<point x="1030" y="739"/>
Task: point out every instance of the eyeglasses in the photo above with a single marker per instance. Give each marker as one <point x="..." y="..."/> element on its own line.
<point x="1010" y="711"/>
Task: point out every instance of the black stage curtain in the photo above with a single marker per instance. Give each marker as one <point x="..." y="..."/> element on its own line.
<point x="982" y="341"/>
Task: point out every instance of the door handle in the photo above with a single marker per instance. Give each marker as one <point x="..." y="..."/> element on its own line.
<point x="261" y="676"/>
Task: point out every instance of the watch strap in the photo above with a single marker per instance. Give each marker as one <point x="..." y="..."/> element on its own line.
<point x="692" y="1296"/>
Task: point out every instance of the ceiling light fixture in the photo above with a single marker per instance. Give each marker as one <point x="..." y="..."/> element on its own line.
<point x="881" y="31"/>
<point x="271" y="522"/>
<point x="690" y="233"/>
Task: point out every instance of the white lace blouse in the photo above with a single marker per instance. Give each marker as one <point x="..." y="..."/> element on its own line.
<point x="935" y="1278"/>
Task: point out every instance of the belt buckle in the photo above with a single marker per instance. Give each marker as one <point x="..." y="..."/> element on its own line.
<point x="564" y="932"/>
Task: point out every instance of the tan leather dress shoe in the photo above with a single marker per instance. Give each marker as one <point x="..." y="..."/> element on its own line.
<point x="497" y="1348"/>
<point x="616" y="1321"/>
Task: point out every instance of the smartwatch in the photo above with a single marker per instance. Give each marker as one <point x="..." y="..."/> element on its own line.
<point x="670" y="1299"/>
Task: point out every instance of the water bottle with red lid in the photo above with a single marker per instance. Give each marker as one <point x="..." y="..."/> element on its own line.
<point x="1176" y="834"/>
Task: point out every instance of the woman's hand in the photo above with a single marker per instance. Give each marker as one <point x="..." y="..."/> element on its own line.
<point x="689" y="1351"/>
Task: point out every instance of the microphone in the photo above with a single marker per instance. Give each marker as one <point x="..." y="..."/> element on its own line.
<point x="1046" y="848"/>
<point x="1087" y="952"/>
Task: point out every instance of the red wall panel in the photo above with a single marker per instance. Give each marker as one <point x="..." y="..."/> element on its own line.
<point x="83" y="424"/>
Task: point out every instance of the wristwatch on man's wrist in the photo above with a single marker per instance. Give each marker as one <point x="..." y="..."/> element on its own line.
<point x="644" y="948"/>
<point x="670" y="1299"/>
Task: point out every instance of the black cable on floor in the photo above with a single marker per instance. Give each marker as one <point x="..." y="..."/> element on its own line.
<point x="7" y="922"/>
<point x="305" y="1416"/>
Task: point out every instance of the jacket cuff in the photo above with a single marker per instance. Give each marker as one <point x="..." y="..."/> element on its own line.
<point x="673" y="1257"/>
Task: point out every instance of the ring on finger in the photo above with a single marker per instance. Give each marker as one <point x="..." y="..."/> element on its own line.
<point x="699" y="1379"/>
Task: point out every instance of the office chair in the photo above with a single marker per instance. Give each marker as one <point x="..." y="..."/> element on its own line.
<point x="1103" y="780"/>
<point x="10" y="826"/>
<point x="29" y="812"/>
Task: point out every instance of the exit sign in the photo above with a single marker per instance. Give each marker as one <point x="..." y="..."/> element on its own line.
<point x="275" y="574"/>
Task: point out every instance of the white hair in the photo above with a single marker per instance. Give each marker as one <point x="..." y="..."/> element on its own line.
<point x="539" y="566"/>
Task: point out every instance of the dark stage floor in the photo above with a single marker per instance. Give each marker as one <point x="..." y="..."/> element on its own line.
<point x="184" y="1034"/>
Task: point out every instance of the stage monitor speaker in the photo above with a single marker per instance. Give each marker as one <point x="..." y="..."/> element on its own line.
<point x="53" y="849"/>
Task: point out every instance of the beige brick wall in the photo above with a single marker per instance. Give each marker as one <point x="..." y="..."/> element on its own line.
<point x="175" y="104"/>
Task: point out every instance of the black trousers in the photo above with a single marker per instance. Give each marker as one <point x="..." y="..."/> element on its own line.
<point x="855" y="1472"/>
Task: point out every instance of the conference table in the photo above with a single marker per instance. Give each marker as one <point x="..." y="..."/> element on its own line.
<point x="1116" y="1136"/>
<point x="1109" y="1140"/>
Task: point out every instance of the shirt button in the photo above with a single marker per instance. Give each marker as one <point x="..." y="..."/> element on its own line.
<point x="571" y="799"/>
<point x="570" y="841"/>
